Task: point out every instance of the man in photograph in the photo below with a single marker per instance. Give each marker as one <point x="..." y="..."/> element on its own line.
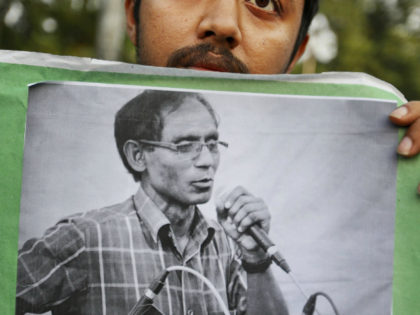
<point x="101" y="261"/>
<point x="247" y="36"/>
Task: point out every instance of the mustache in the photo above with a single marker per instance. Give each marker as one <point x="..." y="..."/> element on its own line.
<point x="208" y="56"/>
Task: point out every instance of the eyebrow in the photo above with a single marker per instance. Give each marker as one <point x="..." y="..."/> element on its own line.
<point x="210" y="136"/>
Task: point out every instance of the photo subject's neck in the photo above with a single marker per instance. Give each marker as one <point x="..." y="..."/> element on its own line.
<point x="180" y="216"/>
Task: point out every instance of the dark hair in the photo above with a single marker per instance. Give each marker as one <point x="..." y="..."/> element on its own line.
<point x="309" y="10"/>
<point x="142" y="118"/>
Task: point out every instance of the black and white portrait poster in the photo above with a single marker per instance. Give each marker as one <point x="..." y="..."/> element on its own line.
<point x="324" y="166"/>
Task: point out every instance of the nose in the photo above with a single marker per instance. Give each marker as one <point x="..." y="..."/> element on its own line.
<point x="206" y="159"/>
<point x="220" y="23"/>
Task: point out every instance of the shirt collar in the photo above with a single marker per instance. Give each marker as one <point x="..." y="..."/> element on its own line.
<point x="155" y="220"/>
<point x="202" y="230"/>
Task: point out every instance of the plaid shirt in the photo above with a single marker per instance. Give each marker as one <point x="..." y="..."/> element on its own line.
<point x="101" y="261"/>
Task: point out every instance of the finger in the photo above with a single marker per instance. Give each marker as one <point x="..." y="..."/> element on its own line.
<point x="225" y="200"/>
<point x="230" y="198"/>
<point x="247" y="242"/>
<point x="224" y="213"/>
<point x="239" y="203"/>
<point x="253" y="205"/>
<point x="406" y="114"/>
<point x="233" y="233"/>
<point x="410" y="143"/>
<point x="256" y="217"/>
<point x="230" y="229"/>
<point x="243" y="212"/>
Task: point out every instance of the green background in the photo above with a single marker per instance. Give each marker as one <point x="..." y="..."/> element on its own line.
<point x="13" y="104"/>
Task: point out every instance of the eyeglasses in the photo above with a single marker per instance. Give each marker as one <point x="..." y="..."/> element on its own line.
<point x="190" y="149"/>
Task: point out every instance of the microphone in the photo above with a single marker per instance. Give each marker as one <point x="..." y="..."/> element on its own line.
<point x="146" y="301"/>
<point x="262" y="239"/>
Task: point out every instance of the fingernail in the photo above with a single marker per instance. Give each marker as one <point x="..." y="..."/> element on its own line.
<point x="405" y="146"/>
<point x="227" y="205"/>
<point x="399" y="112"/>
<point x="240" y="229"/>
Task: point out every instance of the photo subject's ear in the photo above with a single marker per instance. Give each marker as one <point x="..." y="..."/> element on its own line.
<point x="133" y="152"/>
<point x="130" y="21"/>
<point x="299" y="54"/>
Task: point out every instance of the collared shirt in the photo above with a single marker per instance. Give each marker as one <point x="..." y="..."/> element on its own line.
<point x="101" y="262"/>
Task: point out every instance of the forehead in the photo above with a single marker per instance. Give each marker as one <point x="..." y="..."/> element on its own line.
<point x="191" y="120"/>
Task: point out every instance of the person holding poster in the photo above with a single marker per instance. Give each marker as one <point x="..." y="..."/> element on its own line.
<point x="102" y="261"/>
<point x="250" y="36"/>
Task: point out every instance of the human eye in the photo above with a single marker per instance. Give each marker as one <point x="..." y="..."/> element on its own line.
<point x="270" y="6"/>
<point x="213" y="145"/>
<point x="185" y="147"/>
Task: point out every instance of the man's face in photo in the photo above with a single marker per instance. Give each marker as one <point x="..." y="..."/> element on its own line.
<point x="255" y="36"/>
<point x="173" y="176"/>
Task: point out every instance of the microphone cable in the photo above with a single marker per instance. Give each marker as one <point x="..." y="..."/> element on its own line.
<point x="262" y="239"/>
<point x="291" y="275"/>
<point x="155" y="287"/>
<point x="207" y="282"/>
<point x="146" y="301"/>
<point x="309" y="307"/>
